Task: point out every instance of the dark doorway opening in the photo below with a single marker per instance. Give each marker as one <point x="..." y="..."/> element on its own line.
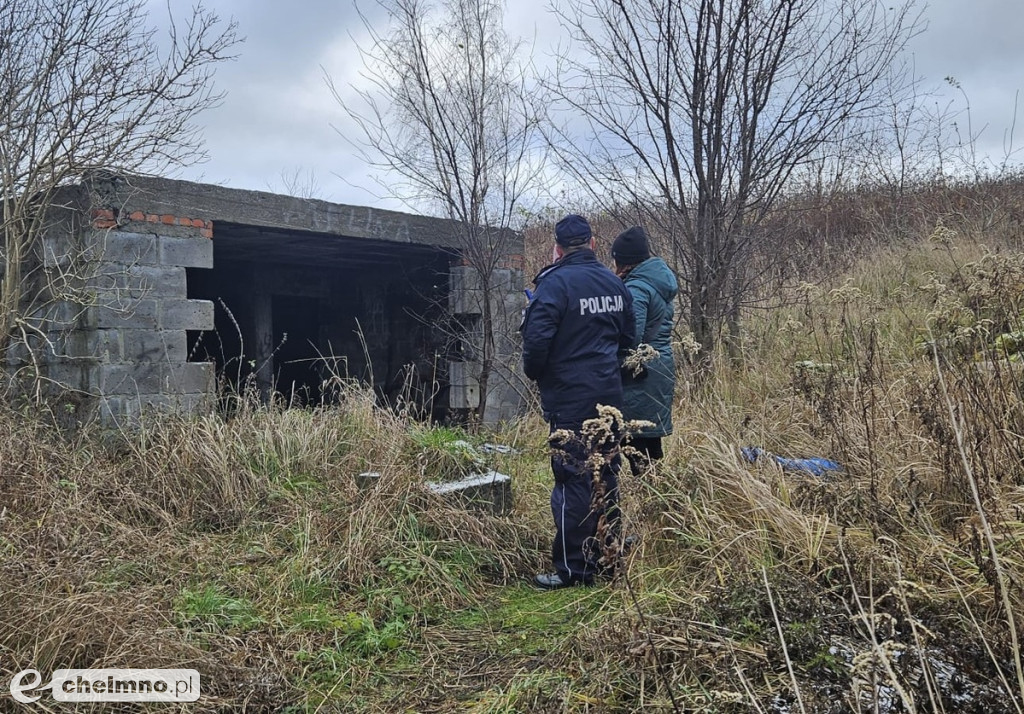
<point x="298" y="365"/>
<point x="293" y="309"/>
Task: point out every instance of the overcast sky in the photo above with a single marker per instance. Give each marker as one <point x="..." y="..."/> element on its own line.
<point x="275" y="126"/>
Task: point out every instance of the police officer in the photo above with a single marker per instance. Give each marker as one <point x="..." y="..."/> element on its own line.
<point x="576" y="326"/>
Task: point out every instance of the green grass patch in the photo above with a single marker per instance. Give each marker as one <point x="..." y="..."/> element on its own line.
<point x="209" y="607"/>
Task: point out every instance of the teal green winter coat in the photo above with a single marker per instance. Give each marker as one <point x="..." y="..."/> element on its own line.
<point x="654" y="287"/>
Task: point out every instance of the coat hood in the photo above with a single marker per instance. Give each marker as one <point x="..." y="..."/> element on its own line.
<point x="655" y="272"/>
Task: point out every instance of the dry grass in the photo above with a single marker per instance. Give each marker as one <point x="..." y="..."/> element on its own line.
<point x="245" y="548"/>
<point x="236" y="547"/>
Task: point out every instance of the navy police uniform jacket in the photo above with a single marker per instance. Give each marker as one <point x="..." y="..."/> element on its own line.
<point x="574" y="330"/>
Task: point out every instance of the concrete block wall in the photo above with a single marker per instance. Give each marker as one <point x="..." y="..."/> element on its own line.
<point x="126" y="348"/>
<point x="504" y="400"/>
<point x="113" y="335"/>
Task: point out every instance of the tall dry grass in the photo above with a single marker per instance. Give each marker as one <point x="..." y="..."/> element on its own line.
<point x="245" y="547"/>
<point x="228" y="545"/>
<point x="905" y="567"/>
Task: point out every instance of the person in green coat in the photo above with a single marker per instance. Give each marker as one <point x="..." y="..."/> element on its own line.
<point x="648" y="394"/>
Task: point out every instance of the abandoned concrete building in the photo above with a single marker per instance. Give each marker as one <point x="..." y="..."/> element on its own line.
<point x="193" y="289"/>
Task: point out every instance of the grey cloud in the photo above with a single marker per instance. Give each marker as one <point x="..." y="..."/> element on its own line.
<point x="278" y="113"/>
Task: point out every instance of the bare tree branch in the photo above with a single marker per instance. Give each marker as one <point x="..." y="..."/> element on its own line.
<point x="448" y="115"/>
<point x="692" y="115"/>
<point x="85" y="86"/>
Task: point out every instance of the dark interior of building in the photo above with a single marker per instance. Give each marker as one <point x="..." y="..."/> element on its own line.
<point x="294" y="309"/>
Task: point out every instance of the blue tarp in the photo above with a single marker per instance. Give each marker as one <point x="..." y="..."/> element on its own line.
<point x="815" y="465"/>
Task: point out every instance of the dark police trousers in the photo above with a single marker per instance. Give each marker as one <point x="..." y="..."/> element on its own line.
<point x="575" y="551"/>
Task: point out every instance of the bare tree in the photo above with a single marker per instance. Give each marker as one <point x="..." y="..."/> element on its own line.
<point x="299" y="182"/>
<point x="692" y="115"/>
<point x="448" y="115"/>
<point x="87" y="85"/>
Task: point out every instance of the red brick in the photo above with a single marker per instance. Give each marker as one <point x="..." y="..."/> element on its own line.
<point x="152" y="218"/>
<point x="167" y="219"/>
<point x="206" y="232"/>
<point x="104" y="223"/>
<point x="137" y="216"/>
<point x="103" y="213"/>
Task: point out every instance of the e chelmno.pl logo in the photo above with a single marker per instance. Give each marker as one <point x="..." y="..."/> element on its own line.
<point x="108" y="685"/>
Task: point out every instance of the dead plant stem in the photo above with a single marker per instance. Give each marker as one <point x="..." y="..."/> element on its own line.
<point x="1004" y="590"/>
<point x="782" y="640"/>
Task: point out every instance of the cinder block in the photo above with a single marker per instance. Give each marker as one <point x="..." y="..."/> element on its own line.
<point x="128" y="410"/>
<point x="464" y="391"/>
<point x="464" y="290"/>
<point x="168" y="346"/>
<point x="163" y="281"/>
<point x="513" y="304"/>
<point x="181" y="314"/>
<point x="156" y="378"/>
<point x="59" y="250"/>
<point x="505" y="395"/>
<point x="465" y="302"/>
<point x="84" y="344"/>
<point x="138" y="281"/>
<point x="70" y="375"/>
<point x="490" y="491"/>
<point x="17" y="355"/>
<point x="105" y="345"/>
<point x="501" y="280"/>
<point x="61" y="344"/>
<point x="187" y="252"/>
<point x="175" y="403"/>
<point x="112" y="345"/>
<point x="127" y="248"/>
<point x="128" y="379"/>
<point x="66" y="315"/>
<point x="119" y="311"/>
<point x="115" y="411"/>
<point x="191" y="378"/>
